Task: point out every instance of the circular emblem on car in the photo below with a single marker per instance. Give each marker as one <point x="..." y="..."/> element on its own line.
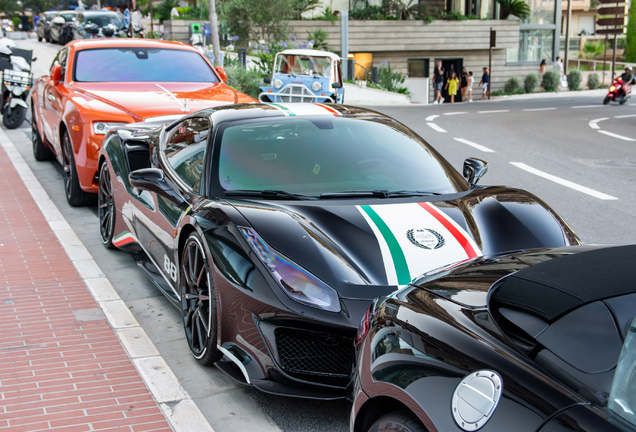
<point x="475" y="399"/>
<point x="425" y="238"/>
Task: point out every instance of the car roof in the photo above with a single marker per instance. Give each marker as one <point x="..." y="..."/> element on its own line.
<point x="80" y="44"/>
<point x="310" y="52"/>
<point x="553" y="288"/>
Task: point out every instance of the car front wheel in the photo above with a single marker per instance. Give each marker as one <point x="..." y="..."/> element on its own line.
<point x="198" y="303"/>
<point x="106" y="207"/>
<point x="397" y="421"/>
<point x="75" y="196"/>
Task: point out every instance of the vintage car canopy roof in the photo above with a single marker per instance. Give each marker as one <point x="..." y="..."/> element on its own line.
<point x="310" y="52"/>
<point x="553" y="288"/>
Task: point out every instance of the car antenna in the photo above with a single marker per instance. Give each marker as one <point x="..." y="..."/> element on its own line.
<point x="183" y="106"/>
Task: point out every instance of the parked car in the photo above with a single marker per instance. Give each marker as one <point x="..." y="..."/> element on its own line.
<point x="542" y="340"/>
<point x="43" y="25"/>
<point x="272" y="227"/>
<point x="56" y="26"/>
<point x="97" y="84"/>
<point x="91" y="24"/>
<point x="304" y="75"/>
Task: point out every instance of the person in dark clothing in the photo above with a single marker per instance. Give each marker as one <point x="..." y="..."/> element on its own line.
<point x="438" y="82"/>
<point x="26" y="25"/>
<point x="463" y="83"/>
<point x="485" y="83"/>
<point x="628" y="76"/>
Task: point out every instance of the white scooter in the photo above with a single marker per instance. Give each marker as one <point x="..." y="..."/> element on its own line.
<point x="17" y="80"/>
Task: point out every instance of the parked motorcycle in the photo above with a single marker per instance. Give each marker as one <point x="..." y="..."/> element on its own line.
<point x="17" y="81"/>
<point x="618" y="92"/>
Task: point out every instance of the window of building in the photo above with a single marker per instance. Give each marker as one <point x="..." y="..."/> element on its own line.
<point x="534" y="46"/>
<point x="417" y="68"/>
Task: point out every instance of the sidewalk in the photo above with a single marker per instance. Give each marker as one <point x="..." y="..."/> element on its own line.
<point x="62" y="366"/>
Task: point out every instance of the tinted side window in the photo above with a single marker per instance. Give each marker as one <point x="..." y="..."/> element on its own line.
<point x="185" y="150"/>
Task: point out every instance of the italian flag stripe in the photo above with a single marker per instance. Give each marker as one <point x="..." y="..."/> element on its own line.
<point x="397" y="255"/>
<point x="124" y="238"/>
<point x="415" y="238"/>
<point x="461" y="238"/>
<point x="284" y="109"/>
<point x="331" y="110"/>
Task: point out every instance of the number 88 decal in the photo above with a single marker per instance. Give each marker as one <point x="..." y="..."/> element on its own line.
<point x="170" y="268"/>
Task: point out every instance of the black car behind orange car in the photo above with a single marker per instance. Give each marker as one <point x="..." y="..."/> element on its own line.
<point x="536" y="341"/>
<point x="273" y="227"/>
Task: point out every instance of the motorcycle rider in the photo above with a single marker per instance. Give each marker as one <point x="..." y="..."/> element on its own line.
<point x="628" y="79"/>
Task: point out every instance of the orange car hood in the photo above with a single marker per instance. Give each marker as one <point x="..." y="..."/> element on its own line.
<point x="144" y="100"/>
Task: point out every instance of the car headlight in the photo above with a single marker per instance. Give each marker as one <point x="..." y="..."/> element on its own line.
<point x="101" y="128"/>
<point x="278" y="83"/>
<point x="17" y="90"/>
<point x="295" y="281"/>
<point x="316" y="86"/>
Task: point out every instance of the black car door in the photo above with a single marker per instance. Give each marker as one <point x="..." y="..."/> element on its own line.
<point x="182" y="160"/>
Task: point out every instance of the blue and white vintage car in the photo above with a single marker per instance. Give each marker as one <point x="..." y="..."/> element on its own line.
<point x="304" y="75"/>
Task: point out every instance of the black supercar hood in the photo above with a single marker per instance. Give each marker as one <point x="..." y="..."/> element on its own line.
<point x="365" y="248"/>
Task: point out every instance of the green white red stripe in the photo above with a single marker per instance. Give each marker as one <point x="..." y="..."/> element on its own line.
<point x="124" y="238"/>
<point x="303" y="109"/>
<point x="396" y="227"/>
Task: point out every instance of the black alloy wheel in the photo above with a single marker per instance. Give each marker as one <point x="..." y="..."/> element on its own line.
<point x="198" y="303"/>
<point x="106" y="207"/>
<point x="402" y="421"/>
<point x="75" y="196"/>
<point x="40" y="152"/>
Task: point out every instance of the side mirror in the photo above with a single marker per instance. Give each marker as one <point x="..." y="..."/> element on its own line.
<point x="56" y="73"/>
<point x="221" y="73"/>
<point x="336" y="85"/>
<point x="474" y="169"/>
<point x="267" y="80"/>
<point x="153" y="180"/>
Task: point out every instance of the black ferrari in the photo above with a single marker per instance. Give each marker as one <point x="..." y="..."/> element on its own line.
<point x="272" y="228"/>
<point x="543" y="340"/>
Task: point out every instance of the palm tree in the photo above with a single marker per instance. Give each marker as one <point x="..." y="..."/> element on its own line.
<point x="518" y="8"/>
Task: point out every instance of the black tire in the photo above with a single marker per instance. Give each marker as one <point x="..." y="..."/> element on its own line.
<point x="40" y="152"/>
<point x="14" y="118"/>
<point x="75" y="196"/>
<point x="622" y="101"/>
<point x="397" y="421"/>
<point x="606" y="100"/>
<point x="106" y="210"/>
<point x="198" y="302"/>
<point x="39" y="39"/>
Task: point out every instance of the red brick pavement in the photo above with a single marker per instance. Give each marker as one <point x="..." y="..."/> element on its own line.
<point x="57" y="373"/>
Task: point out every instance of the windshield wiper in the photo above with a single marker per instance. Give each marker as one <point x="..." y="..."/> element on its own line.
<point x="377" y="194"/>
<point x="267" y="193"/>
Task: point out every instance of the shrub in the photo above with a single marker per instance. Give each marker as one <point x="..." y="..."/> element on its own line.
<point x="530" y="83"/>
<point x="550" y="80"/>
<point x="512" y="86"/>
<point x="244" y="80"/>
<point x="390" y="80"/>
<point x="593" y="81"/>
<point x="574" y="79"/>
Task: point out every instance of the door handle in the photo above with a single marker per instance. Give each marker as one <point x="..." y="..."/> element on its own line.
<point x="50" y="97"/>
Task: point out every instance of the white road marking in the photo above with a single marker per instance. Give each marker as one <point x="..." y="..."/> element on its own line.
<point x="563" y="182"/>
<point x="455" y="113"/>
<point x="539" y="109"/>
<point x="490" y="112"/>
<point x="626" y="116"/>
<point x="475" y="145"/>
<point x="181" y="412"/>
<point x="593" y="124"/>
<point x="613" y="135"/>
<point x="431" y="118"/>
<point x="589" y="106"/>
<point x="435" y="127"/>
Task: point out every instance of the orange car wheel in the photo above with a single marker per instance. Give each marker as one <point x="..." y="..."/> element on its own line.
<point x="75" y="196"/>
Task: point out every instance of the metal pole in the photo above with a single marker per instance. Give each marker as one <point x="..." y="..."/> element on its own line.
<point x="490" y="64"/>
<point x="613" y="59"/>
<point x="567" y="37"/>
<point x="344" y="42"/>
<point x="152" y="31"/>
<point x="604" y="58"/>
<point x="214" y="30"/>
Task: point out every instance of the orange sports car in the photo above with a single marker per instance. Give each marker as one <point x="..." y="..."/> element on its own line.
<point x="97" y="84"/>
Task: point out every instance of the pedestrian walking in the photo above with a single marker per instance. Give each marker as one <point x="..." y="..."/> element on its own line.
<point x="485" y="83"/>
<point x="438" y="83"/>
<point x="559" y="67"/>
<point x="463" y="84"/>
<point x="469" y="89"/>
<point x="26" y="25"/>
<point x="542" y="68"/>
<point x="451" y="85"/>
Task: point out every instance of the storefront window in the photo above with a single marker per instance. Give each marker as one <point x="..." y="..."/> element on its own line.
<point x="534" y="46"/>
<point x="417" y="68"/>
<point x="541" y="12"/>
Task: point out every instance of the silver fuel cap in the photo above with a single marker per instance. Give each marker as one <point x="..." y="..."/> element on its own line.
<point x="475" y="399"/>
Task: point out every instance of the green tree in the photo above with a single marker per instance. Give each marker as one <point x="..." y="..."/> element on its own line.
<point x="518" y="8"/>
<point x="258" y="19"/>
<point x="630" y="43"/>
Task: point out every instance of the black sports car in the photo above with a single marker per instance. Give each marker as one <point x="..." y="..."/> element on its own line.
<point x="273" y="227"/>
<point x="522" y="342"/>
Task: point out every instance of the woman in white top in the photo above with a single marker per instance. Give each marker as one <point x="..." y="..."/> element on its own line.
<point x="469" y="89"/>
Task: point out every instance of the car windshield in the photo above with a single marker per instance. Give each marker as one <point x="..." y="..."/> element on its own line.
<point x="102" y="20"/>
<point x="142" y="65"/>
<point x="303" y="65"/>
<point x="318" y="155"/>
<point x="68" y="16"/>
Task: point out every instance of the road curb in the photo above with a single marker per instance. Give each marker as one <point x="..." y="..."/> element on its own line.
<point x="174" y="401"/>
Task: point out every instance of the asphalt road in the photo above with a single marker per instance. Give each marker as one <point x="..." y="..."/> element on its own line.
<point x="553" y="135"/>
